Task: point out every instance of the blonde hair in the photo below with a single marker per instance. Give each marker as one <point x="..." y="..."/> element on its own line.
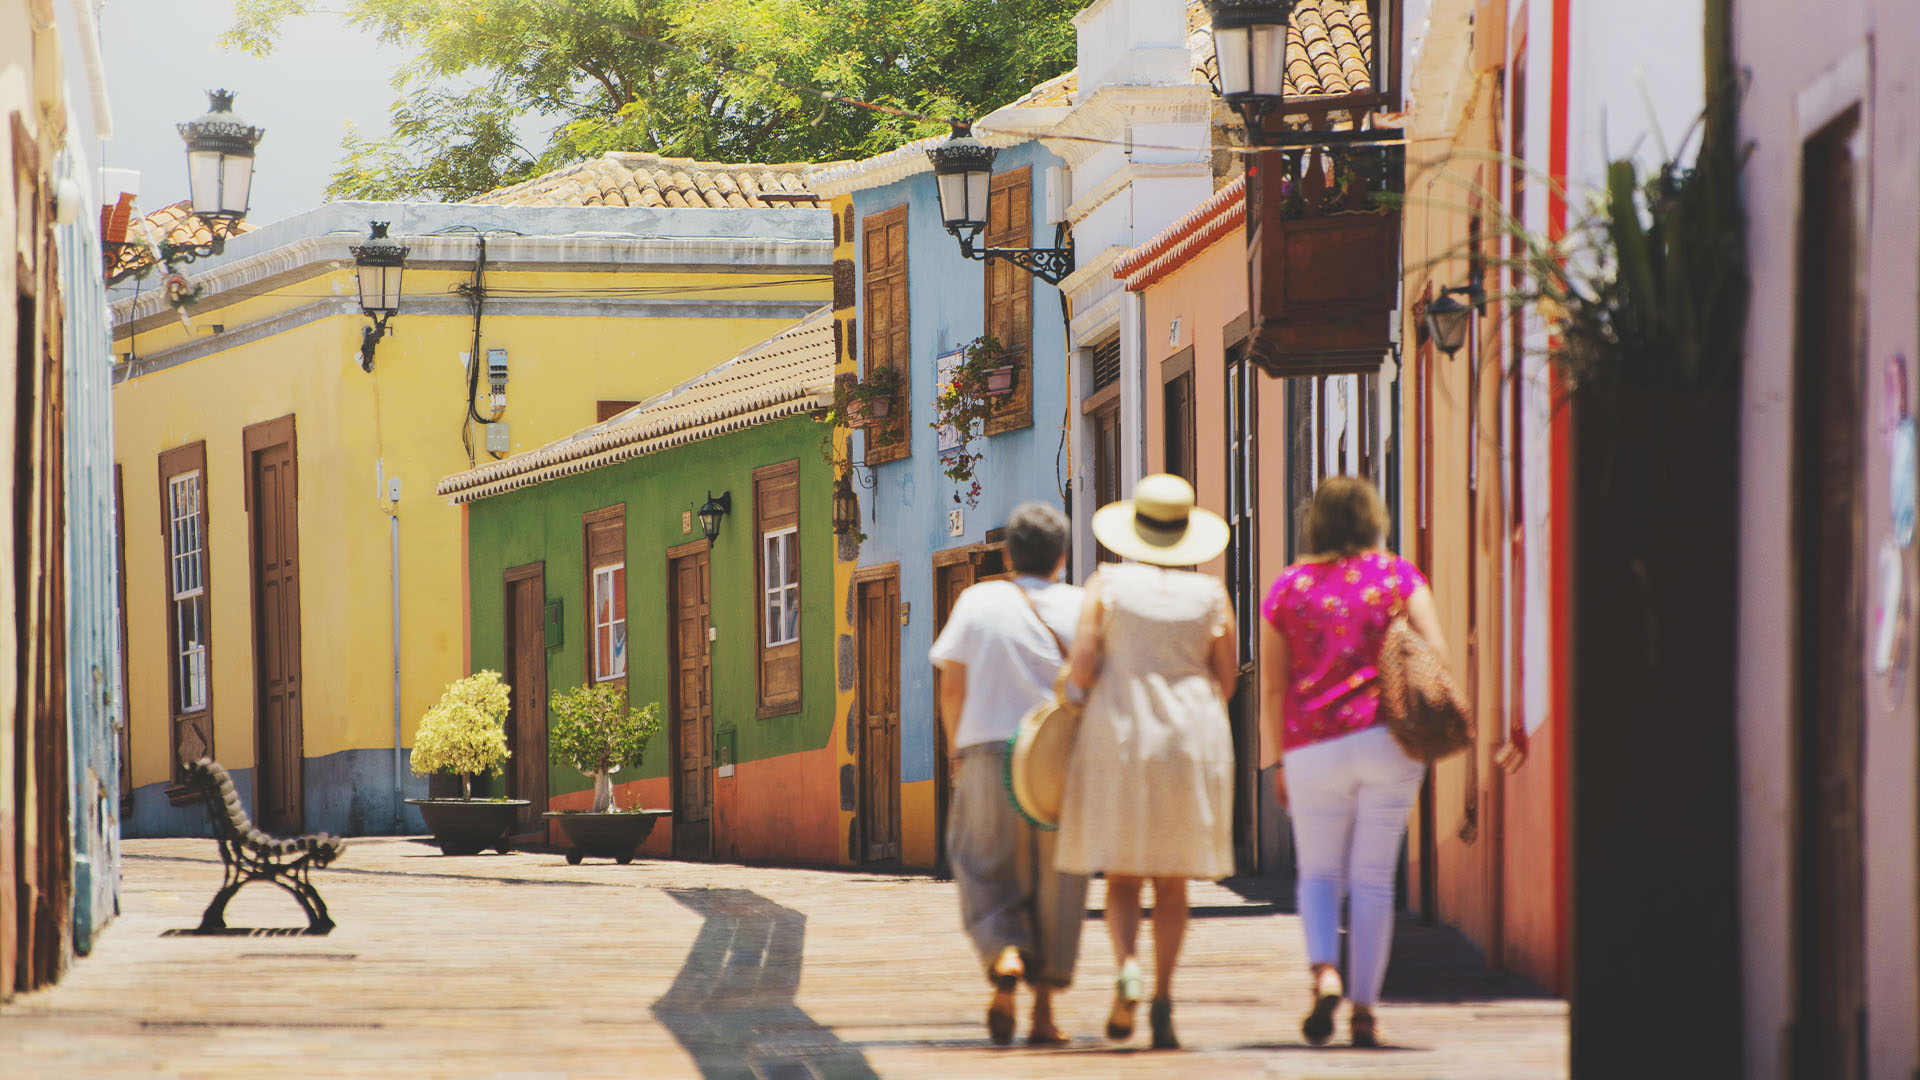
<point x="1346" y="517"/>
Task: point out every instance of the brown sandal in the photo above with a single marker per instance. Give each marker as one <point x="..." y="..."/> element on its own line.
<point x="1366" y="1031"/>
<point x="1007" y="969"/>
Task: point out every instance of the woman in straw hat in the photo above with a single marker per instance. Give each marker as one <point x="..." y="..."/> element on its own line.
<point x="1351" y="785"/>
<point x="1149" y="794"/>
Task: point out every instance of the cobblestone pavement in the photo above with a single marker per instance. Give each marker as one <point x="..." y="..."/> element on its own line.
<point x="522" y="966"/>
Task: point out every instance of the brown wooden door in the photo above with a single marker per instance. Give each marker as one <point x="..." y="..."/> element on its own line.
<point x="272" y="506"/>
<point x="878" y="604"/>
<point x="526" y="662"/>
<point x="1830" y="876"/>
<point x="692" y="693"/>
<point x="950" y="579"/>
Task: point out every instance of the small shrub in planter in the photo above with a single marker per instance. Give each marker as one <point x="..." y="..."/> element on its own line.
<point x="466" y="731"/>
<point x="594" y="730"/>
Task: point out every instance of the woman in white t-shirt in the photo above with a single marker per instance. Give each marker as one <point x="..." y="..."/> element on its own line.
<point x="998" y="655"/>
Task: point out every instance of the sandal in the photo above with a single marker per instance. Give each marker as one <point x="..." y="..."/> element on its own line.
<point x="1126" y="998"/>
<point x="1327" y="992"/>
<point x="1366" y="1031"/>
<point x="1007" y="969"/>
<point x="1160" y="1015"/>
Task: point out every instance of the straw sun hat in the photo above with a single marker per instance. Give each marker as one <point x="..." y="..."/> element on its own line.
<point x="1160" y="524"/>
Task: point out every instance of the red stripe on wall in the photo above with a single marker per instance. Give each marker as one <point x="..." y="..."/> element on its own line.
<point x="1561" y="481"/>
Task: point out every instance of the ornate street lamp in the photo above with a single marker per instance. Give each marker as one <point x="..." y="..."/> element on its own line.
<point x="1250" y="47"/>
<point x="220" y="162"/>
<point x="378" y="264"/>
<point x="711" y="513"/>
<point x="963" y="169"/>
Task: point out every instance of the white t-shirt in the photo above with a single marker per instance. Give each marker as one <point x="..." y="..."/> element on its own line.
<point x="1011" y="660"/>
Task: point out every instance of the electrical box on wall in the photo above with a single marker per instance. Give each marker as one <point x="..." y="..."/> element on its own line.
<point x="497" y="370"/>
<point x="497" y="438"/>
<point x="554" y="624"/>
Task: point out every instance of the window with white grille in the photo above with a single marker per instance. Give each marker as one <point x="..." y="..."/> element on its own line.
<point x="780" y="550"/>
<point x="188" y="584"/>
<point x="609" y="622"/>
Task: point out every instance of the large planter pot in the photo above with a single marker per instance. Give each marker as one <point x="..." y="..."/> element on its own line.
<point x="470" y="826"/>
<point x="605" y="836"/>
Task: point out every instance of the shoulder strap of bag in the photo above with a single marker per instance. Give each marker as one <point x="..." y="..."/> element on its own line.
<point x="1058" y="641"/>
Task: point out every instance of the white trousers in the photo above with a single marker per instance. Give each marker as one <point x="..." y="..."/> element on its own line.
<point x="1349" y="798"/>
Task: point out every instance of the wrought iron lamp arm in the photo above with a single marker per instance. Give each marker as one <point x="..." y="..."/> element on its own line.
<point x="1051" y="265"/>
<point x="370" y="336"/>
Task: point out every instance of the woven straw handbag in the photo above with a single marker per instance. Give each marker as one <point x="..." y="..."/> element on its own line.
<point x="1422" y="707"/>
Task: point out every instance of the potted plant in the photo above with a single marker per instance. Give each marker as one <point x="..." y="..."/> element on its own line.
<point x="597" y="732"/>
<point x="986" y="373"/>
<point x="867" y="403"/>
<point x="465" y="733"/>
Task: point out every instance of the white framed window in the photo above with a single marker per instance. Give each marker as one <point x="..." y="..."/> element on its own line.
<point x="609" y="622"/>
<point x="186" y="554"/>
<point x="780" y="556"/>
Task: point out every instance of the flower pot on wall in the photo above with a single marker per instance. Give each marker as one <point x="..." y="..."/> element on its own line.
<point x="1323" y="258"/>
<point x="866" y="414"/>
<point x="1002" y="381"/>
<point x="613" y="835"/>
<point x="470" y="826"/>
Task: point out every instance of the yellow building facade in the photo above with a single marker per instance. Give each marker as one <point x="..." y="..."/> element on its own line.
<point x="273" y="490"/>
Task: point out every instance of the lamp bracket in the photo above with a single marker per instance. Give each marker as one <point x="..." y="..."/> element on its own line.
<point x="370" y="336"/>
<point x="1051" y="265"/>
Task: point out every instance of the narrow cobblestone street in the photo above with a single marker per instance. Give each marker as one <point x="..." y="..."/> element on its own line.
<point x="523" y="966"/>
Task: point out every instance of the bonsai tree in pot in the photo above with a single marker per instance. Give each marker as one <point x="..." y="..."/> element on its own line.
<point x="465" y="733"/>
<point x="595" y="730"/>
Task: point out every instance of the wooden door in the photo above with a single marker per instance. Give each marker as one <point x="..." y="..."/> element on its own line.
<point x="951" y="577"/>
<point x="526" y="663"/>
<point x="691" y="735"/>
<point x="274" y="525"/>
<point x="878" y="605"/>
<point x="1830" y="1029"/>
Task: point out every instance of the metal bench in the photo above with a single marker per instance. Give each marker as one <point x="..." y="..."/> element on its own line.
<point x="251" y="855"/>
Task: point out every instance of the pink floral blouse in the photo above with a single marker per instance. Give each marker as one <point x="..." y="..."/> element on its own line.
<point x="1334" y="615"/>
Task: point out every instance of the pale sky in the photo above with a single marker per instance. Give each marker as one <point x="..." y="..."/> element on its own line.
<point x="161" y="57"/>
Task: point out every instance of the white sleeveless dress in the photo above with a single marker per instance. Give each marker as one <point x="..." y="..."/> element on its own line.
<point x="1150" y="785"/>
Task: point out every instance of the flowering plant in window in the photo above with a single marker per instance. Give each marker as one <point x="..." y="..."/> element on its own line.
<point x="987" y="371"/>
<point x="465" y="732"/>
<point x="597" y="732"/>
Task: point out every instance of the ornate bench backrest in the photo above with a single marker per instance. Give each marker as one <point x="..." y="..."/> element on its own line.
<point x="224" y="812"/>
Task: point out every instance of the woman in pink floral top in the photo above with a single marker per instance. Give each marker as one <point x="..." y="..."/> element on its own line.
<point x="1347" y="783"/>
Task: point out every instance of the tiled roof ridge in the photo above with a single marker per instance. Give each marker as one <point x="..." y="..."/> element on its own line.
<point x="673" y="416"/>
<point x="1173" y="246"/>
<point x="174" y="223"/>
<point x="647" y="179"/>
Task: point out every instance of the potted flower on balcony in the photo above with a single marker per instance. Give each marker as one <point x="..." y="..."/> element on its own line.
<point x="974" y="387"/>
<point x="867" y="403"/>
<point x="465" y="733"/>
<point x="597" y="732"/>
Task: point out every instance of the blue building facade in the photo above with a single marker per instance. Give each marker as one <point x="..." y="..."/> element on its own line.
<point x="933" y="534"/>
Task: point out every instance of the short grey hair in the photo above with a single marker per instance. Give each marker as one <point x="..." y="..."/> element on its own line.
<point x="1036" y="538"/>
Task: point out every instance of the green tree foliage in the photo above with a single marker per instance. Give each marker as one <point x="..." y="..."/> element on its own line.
<point x="596" y="732"/>
<point x="711" y="79"/>
<point x="465" y="732"/>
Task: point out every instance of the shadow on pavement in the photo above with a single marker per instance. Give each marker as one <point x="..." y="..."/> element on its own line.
<point x="731" y="1007"/>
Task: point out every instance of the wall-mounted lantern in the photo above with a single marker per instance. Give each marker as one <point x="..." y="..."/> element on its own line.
<point x="378" y="264"/>
<point x="846" y="506"/>
<point x="711" y="513"/>
<point x="1250" y="47"/>
<point x="963" y="170"/>
<point x="220" y="161"/>
<point x="1448" y="318"/>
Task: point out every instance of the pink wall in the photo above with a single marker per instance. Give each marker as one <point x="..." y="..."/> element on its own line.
<point x="1809" y="62"/>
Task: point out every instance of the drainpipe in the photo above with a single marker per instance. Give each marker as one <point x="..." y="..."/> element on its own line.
<point x="393" y="532"/>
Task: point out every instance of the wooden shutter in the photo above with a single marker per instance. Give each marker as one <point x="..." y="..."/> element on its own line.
<point x="884" y="248"/>
<point x="776" y="505"/>
<point x="192" y="730"/>
<point x="604" y="535"/>
<point x="1010" y="291"/>
<point x="606" y="410"/>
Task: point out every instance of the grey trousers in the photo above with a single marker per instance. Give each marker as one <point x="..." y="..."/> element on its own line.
<point x="1010" y="894"/>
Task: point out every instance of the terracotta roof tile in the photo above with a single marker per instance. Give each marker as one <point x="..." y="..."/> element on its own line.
<point x="649" y="180"/>
<point x="786" y="375"/>
<point x="176" y="224"/>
